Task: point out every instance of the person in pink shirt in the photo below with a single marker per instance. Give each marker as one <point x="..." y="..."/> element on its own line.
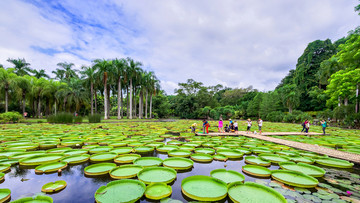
<point x="220" y="126"/>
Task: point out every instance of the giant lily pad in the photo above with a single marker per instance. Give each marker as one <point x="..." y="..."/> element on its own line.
<point x="338" y="163"/>
<point x="250" y="192"/>
<point x="179" y="153"/>
<point x="201" y="157"/>
<point x="122" y="150"/>
<point x="228" y="176"/>
<point x="166" y="148"/>
<point x="148" y="161"/>
<point x="126" y="158"/>
<point x="158" y="191"/>
<point x="99" y="169"/>
<point x="53" y="186"/>
<point x="205" y="150"/>
<point x="50" y="167"/>
<point x="2" y="176"/>
<point x="294" y="178"/>
<point x="204" y="188"/>
<point x="106" y="156"/>
<point x="256" y="161"/>
<point x="4" y="167"/>
<point x="125" y="171"/>
<point x="178" y="163"/>
<point x="157" y="175"/>
<point x="37" y="199"/>
<point x="256" y="170"/>
<point x="144" y="149"/>
<point x="273" y="158"/>
<point x="307" y="169"/>
<point x="230" y="153"/>
<point x="126" y="190"/>
<point x="5" y="194"/>
<point x="75" y="159"/>
<point x="40" y="159"/>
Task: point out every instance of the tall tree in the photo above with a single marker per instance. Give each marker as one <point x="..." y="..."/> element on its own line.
<point x="290" y="96"/>
<point x="24" y="87"/>
<point x="89" y="77"/>
<point x="132" y="68"/>
<point x="104" y="67"/>
<point x="120" y="67"/>
<point x="39" y="73"/>
<point x="21" y="66"/>
<point x="7" y="80"/>
<point x="68" y="70"/>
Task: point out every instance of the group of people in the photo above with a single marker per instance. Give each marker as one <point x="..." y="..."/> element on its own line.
<point x="231" y="127"/>
<point x="306" y="126"/>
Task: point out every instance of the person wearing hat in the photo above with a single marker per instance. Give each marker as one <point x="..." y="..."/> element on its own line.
<point x="193" y="127"/>
<point x="249" y="123"/>
<point x="230" y="121"/>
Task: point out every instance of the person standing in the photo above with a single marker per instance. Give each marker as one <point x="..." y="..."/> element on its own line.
<point x="220" y="126"/>
<point x="307" y="126"/>
<point x="324" y="125"/>
<point x="260" y="122"/>
<point x="236" y="127"/>
<point x="249" y="123"/>
<point x="206" y="126"/>
<point x="304" y="125"/>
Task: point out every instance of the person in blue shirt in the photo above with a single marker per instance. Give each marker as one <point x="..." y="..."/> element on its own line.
<point x="324" y="125"/>
<point x="206" y="126"/>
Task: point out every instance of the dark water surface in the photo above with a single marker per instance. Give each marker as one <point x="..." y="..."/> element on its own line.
<point x="24" y="182"/>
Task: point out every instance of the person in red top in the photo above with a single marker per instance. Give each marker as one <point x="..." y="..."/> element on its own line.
<point x="206" y="126"/>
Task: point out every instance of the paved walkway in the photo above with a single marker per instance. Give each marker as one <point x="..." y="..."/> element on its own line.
<point x="355" y="158"/>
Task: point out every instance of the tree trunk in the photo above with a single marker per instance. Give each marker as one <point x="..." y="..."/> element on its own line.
<point x="23" y="102"/>
<point x="65" y="98"/>
<point x="95" y="94"/>
<point x="357" y="99"/>
<point x="119" y="99"/>
<point x="346" y="101"/>
<point x="130" y="99"/>
<point x="290" y="109"/>
<point x="339" y="104"/>
<point x="134" y="102"/>
<point x="121" y="104"/>
<point x="150" y="105"/>
<point x="39" y="107"/>
<point x="55" y="106"/>
<point x="108" y="100"/>
<point x="140" y="104"/>
<point x="6" y="99"/>
<point x="92" y="98"/>
<point x="146" y="103"/>
<point x="127" y="103"/>
<point x="105" y="97"/>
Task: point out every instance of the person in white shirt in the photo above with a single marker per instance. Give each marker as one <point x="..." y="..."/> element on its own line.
<point x="236" y="126"/>
<point x="249" y="123"/>
<point x="260" y="125"/>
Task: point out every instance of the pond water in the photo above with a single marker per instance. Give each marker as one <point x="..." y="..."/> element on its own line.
<point x="80" y="188"/>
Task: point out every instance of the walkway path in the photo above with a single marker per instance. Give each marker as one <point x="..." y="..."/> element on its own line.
<point x="355" y="158"/>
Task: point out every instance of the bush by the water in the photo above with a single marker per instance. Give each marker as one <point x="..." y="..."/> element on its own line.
<point x="275" y="116"/>
<point x="95" y="118"/>
<point x="10" y="117"/>
<point x="60" y="118"/>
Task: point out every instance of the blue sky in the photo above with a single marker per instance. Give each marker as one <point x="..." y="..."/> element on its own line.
<point x="229" y="42"/>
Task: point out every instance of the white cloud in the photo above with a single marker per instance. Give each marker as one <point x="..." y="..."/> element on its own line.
<point x="233" y="43"/>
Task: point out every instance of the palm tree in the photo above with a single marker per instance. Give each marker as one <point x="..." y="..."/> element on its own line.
<point x="37" y="89"/>
<point x="132" y="69"/>
<point x="24" y="87"/>
<point x="89" y="77"/>
<point x="77" y="94"/>
<point x="154" y="86"/>
<point x="68" y="71"/>
<point x="39" y="74"/>
<point x="103" y="67"/>
<point x="120" y="66"/>
<point x="59" y="74"/>
<point x="7" y="80"/>
<point x="21" y="66"/>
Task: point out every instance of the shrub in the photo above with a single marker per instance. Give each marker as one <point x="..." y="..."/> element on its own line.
<point x="275" y="116"/>
<point x="10" y="117"/>
<point x="296" y="116"/>
<point x="60" y="118"/>
<point x="95" y="118"/>
<point x="78" y="119"/>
